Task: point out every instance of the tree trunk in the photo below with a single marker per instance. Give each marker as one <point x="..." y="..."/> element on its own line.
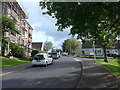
<point x="104" y="52"/>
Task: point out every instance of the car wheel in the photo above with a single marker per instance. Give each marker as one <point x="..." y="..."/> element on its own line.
<point x="46" y="64"/>
<point x="52" y="62"/>
<point x="33" y="65"/>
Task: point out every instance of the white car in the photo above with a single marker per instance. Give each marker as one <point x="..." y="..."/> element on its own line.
<point x="42" y="59"/>
<point x="64" y="54"/>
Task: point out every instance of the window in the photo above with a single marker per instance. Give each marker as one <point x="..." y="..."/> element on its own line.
<point x="113" y="51"/>
<point x="83" y="52"/>
<point x="99" y="51"/>
<point x="38" y="57"/>
<point x="23" y="42"/>
<point x="18" y="39"/>
<point x="9" y="5"/>
<point x="108" y="51"/>
<point x="5" y="10"/>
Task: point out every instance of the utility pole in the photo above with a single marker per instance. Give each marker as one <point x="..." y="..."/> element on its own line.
<point x="94" y="51"/>
<point x="70" y="49"/>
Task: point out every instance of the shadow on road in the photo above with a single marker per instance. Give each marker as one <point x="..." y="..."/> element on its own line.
<point x="65" y="81"/>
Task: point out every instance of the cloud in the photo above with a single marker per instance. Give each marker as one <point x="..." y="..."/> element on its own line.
<point x="43" y="25"/>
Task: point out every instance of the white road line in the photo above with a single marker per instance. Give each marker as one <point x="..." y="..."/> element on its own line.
<point x="6" y="73"/>
<point x="77" y="60"/>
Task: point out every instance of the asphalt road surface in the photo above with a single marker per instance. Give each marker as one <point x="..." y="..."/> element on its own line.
<point x="63" y="73"/>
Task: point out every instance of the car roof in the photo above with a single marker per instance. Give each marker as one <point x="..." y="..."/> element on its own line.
<point x="41" y="54"/>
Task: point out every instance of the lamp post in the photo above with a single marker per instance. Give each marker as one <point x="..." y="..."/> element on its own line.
<point x="94" y="51"/>
<point x="70" y="49"/>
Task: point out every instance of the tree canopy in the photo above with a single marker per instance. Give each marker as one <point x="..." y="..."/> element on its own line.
<point x="70" y="45"/>
<point x="88" y="20"/>
<point x="47" y="45"/>
<point x="8" y="25"/>
<point x="85" y="19"/>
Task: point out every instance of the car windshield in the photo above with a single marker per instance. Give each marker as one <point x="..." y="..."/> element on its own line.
<point x="38" y="57"/>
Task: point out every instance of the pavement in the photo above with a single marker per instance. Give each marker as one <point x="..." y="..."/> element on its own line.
<point x="16" y="68"/>
<point x="96" y="76"/>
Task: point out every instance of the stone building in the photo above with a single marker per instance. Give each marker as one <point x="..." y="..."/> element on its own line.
<point x="14" y="11"/>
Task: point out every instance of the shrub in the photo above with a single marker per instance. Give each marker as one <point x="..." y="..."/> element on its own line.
<point x="114" y="55"/>
<point x="118" y="61"/>
<point x="17" y="50"/>
<point x="109" y="55"/>
<point x="27" y="58"/>
<point x="34" y="52"/>
<point x="118" y="56"/>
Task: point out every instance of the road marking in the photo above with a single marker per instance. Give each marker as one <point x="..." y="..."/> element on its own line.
<point x="6" y="73"/>
<point x="77" y="59"/>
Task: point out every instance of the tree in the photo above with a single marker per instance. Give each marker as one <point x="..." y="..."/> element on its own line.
<point x="8" y="25"/>
<point x="47" y="45"/>
<point x="87" y="20"/>
<point x="37" y="51"/>
<point x="70" y="45"/>
<point x="17" y="50"/>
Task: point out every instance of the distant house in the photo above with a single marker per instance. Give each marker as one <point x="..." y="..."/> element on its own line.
<point x="87" y="49"/>
<point x="37" y="45"/>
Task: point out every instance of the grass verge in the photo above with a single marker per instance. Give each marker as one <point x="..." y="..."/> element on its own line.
<point x="112" y="65"/>
<point x="7" y="62"/>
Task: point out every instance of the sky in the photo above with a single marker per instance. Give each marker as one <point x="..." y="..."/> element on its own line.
<point x="43" y="25"/>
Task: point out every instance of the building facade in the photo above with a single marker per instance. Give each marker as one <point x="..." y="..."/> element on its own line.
<point x="87" y="49"/>
<point x="14" y="11"/>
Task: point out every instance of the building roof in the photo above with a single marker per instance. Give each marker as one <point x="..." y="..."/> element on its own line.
<point x="115" y="46"/>
<point x="87" y="45"/>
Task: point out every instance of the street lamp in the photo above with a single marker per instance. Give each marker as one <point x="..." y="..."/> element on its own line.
<point x="70" y="49"/>
<point x="94" y="51"/>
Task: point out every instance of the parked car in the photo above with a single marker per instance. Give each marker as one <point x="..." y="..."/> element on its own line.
<point x="42" y="59"/>
<point x="64" y="54"/>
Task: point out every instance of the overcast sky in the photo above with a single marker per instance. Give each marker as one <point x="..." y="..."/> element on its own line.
<point x="43" y="25"/>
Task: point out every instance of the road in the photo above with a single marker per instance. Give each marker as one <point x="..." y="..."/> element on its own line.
<point x="63" y="73"/>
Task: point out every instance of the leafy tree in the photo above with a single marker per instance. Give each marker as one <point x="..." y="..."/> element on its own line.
<point x="17" y="50"/>
<point x="8" y="25"/>
<point x="34" y="52"/>
<point x="70" y="45"/>
<point x="37" y="51"/>
<point x="47" y="45"/>
<point x="89" y="20"/>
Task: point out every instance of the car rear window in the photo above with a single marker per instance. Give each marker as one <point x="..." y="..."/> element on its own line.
<point x="54" y="53"/>
<point x="38" y="57"/>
